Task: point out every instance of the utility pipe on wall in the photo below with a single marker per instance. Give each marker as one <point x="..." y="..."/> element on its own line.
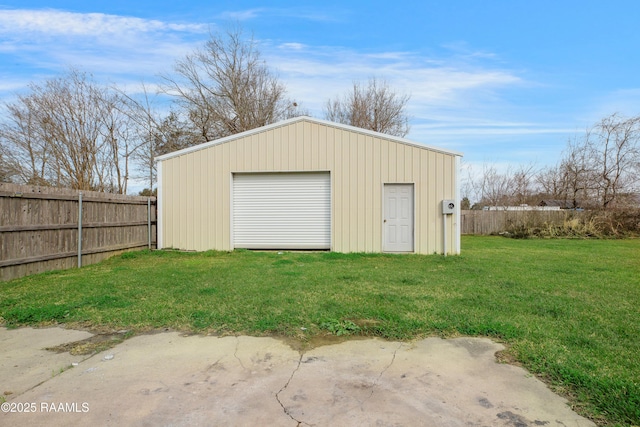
<point x="444" y="233"/>
<point x="448" y="208"/>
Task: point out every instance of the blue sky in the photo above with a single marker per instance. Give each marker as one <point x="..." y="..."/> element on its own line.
<point x="503" y="81"/>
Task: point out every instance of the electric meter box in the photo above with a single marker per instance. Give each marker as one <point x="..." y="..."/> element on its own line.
<point x="448" y="207"/>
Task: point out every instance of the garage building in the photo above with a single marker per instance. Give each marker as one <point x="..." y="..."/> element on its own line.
<point x="306" y="183"/>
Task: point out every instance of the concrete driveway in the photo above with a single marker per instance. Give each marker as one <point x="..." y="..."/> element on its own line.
<point x="167" y="379"/>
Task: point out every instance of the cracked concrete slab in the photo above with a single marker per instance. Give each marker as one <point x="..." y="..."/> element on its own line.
<point x="24" y="362"/>
<point x="434" y="382"/>
<point x="174" y="380"/>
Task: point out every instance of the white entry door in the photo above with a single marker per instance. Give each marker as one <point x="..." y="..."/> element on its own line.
<point x="398" y="218"/>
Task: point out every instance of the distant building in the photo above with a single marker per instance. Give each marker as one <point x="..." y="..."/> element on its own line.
<point x="559" y="204"/>
<point x="521" y="208"/>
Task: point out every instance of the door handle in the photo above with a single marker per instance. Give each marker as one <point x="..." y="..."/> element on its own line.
<point x="385" y="220"/>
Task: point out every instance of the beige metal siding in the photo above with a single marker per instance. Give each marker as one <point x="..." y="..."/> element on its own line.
<point x="196" y="186"/>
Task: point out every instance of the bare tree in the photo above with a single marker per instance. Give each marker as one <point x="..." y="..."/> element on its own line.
<point x="70" y="132"/>
<point x="521" y="186"/>
<point x="469" y="189"/>
<point x="226" y="88"/>
<point x="122" y="134"/>
<point x="613" y="146"/>
<point x="25" y="152"/>
<point x="493" y="186"/>
<point x="598" y="167"/>
<point x="577" y="174"/>
<point x="374" y="106"/>
<point x="551" y="182"/>
<point x="162" y="135"/>
<point x="156" y="134"/>
<point x="6" y="170"/>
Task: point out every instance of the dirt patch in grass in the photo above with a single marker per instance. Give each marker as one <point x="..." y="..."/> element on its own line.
<point x="302" y="344"/>
<point x="507" y="356"/>
<point x="92" y="345"/>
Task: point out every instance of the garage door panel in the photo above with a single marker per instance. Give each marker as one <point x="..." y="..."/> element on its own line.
<point x="282" y="211"/>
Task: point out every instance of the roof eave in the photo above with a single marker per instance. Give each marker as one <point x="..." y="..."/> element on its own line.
<point x="299" y="119"/>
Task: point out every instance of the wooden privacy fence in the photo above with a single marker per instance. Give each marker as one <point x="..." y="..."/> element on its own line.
<point x="43" y="228"/>
<point x="493" y="222"/>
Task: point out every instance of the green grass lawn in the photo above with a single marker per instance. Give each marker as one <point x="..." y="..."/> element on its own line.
<point x="568" y="310"/>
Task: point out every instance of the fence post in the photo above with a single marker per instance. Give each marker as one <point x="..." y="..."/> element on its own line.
<point x="80" y="229"/>
<point x="149" y="220"/>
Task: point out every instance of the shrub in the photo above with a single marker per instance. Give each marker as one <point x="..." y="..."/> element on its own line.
<point x="612" y="223"/>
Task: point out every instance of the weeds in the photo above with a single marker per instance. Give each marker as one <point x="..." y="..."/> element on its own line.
<point x="340" y="327"/>
<point x="590" y="224"/>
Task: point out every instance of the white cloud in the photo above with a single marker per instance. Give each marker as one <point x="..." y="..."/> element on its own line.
<point x="623" y="101"/>
<point x="396" y="56"/>
<point x="491" y="130"/>
<point x="8" y="84"/>
<point x="318" y="73"/>
<point x="241" y="15"/>
<point x="292" y="46"/>
<point x="114" y="48"/>
<point x="55" y="22"/>
<point x="301" y="12"/>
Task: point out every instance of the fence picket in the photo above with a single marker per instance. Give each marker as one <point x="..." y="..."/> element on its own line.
<point x="39" y="227"/>
<point x="494" y="222"/>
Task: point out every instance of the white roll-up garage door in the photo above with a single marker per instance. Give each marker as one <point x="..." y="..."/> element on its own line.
<point x="282" y="211"/>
